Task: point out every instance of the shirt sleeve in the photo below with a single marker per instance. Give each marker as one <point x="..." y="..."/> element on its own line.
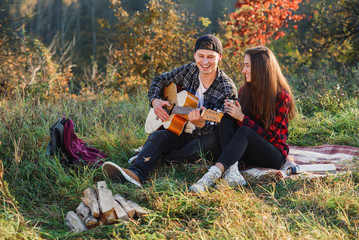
<point x="280" y="125"/>
<point x="160" y="82"/>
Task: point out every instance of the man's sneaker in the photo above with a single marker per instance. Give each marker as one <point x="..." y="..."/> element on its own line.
<point x="132" y="160"/>
<point x="117" y="174"/>
<point x="233" y="177"/>
<point x="207" y="180"/>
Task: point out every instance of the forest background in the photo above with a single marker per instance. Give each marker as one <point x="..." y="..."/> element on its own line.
<point x="83" y="46"/>
<point x="92" y="61"/>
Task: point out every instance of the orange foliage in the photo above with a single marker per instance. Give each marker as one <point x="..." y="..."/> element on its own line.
<point x="256" y="21"/>
<point x="27" y="65"/>
<point x="150" y="42"/>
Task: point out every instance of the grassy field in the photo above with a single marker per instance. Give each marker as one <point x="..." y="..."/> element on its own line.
<point x="36" y="191"/>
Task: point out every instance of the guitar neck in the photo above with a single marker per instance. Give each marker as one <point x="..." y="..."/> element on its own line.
<point x="207" y="114"/>
<point x="181" y="110"/>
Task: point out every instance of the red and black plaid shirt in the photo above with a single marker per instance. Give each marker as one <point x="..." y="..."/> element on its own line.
<point x="277" y="133"/>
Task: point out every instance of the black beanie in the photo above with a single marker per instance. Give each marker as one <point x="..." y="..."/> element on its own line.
<point x="209" y="42"/>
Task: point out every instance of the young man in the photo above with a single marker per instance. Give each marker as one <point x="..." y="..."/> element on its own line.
<point x="202" y="79"/>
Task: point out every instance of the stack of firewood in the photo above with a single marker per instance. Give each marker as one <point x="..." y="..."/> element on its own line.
<point x="99" y="207"/>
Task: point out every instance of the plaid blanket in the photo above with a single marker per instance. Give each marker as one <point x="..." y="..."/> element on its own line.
<point x="343" y="157"/>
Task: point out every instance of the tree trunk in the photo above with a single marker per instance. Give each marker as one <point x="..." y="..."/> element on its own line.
<point x="93" y="21"/>
<point x="39" y="17"/>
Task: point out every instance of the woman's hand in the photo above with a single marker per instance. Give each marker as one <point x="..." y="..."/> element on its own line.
<point x="158" y="105"/>
<point x="234" y="110"/>
<point x="196" y="118"/>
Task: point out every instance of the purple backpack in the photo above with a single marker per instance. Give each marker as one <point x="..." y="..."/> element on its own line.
<point x="73" y="150"/>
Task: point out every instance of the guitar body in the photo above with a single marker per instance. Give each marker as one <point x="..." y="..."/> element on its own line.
<point x="182" y="103"/>
<point x="176" y="122"/>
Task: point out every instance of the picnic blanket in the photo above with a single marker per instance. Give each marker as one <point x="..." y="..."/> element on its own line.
<point x="344" y="158"/>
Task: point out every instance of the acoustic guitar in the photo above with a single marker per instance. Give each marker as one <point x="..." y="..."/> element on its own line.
<point x="182" y="103"/>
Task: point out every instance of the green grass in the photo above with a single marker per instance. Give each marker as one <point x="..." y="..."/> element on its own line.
<point x="37" y="192"/>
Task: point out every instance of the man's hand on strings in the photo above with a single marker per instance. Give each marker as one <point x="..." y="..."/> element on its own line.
<point x="157" y="105"/>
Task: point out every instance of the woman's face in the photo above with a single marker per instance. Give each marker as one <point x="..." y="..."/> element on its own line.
<point x="247" y="67"/>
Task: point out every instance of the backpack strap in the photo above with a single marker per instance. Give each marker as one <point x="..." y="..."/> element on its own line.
<point x="56" y="137"/>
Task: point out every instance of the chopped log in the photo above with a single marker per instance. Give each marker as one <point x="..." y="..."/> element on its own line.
<point x="105" y="198"/>
<point x="120" y="212"/>
<point x="125" y="205"/>
<point x="112" y="218"/>
<point x="101" y="185"/>
<point x="139" y="210"/>
<point x="109" y="219"/>
<point x="100" y="223"/>
<point x="90" y="199"/>
<point x="74" y="222"/>
<point x="83" y="211"/>
<point x="90" y="221"/>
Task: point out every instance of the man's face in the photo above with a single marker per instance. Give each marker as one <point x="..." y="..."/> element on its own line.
<point x="207" y="60"/>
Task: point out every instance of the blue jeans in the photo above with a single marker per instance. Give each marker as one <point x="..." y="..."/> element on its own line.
<point x="173" y="148"/>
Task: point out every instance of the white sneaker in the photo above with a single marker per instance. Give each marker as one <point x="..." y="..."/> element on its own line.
<point x="207" y="180"/>
<point x="233" y="177"/>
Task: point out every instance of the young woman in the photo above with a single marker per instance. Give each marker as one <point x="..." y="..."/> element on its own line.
<point x="256" y="127"/>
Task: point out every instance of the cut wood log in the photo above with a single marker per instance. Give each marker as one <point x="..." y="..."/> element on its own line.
<point x="105" y="198"/>
<point x="109" y="219"/>
<point x="100" y="223"/>
<point x="101" y="185"/>
<point x="139" y="210"/>
<point x="125" y="205"/>
<point x="90" y="221"/>
<point x="83" y="211"/>
<point x="74" y="222"/>
<point x="112" y="218"/>
<point x="120" y="212"/>
<point x="90" y="199"/>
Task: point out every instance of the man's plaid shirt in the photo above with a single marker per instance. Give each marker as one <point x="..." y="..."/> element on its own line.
<point x="277" y="133"/>
<point x="186" y="77"/>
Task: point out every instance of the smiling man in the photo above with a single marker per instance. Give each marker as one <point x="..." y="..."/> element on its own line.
<point x="210" y="85"/>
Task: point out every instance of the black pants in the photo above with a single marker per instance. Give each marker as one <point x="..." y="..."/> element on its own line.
<point x="177" y="149"/>
<point x="246" y="145"/>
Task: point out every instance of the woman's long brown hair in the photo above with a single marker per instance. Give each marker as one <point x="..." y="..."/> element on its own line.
<point x="258" y="97"/>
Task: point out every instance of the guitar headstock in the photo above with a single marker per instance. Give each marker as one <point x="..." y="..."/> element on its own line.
<point x="212" y="115"/>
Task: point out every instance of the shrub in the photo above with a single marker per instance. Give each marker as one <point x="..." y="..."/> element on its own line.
<point x="26" y="65"/>
<point x="151" y="42"/>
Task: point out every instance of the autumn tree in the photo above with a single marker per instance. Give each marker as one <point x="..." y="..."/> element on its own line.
<point x="27" y="66"/>
<point x="257" y="21"/>
<point x="150" y="42"/>
<point x="327" y="37"/>
<point x="335" y="31"/>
